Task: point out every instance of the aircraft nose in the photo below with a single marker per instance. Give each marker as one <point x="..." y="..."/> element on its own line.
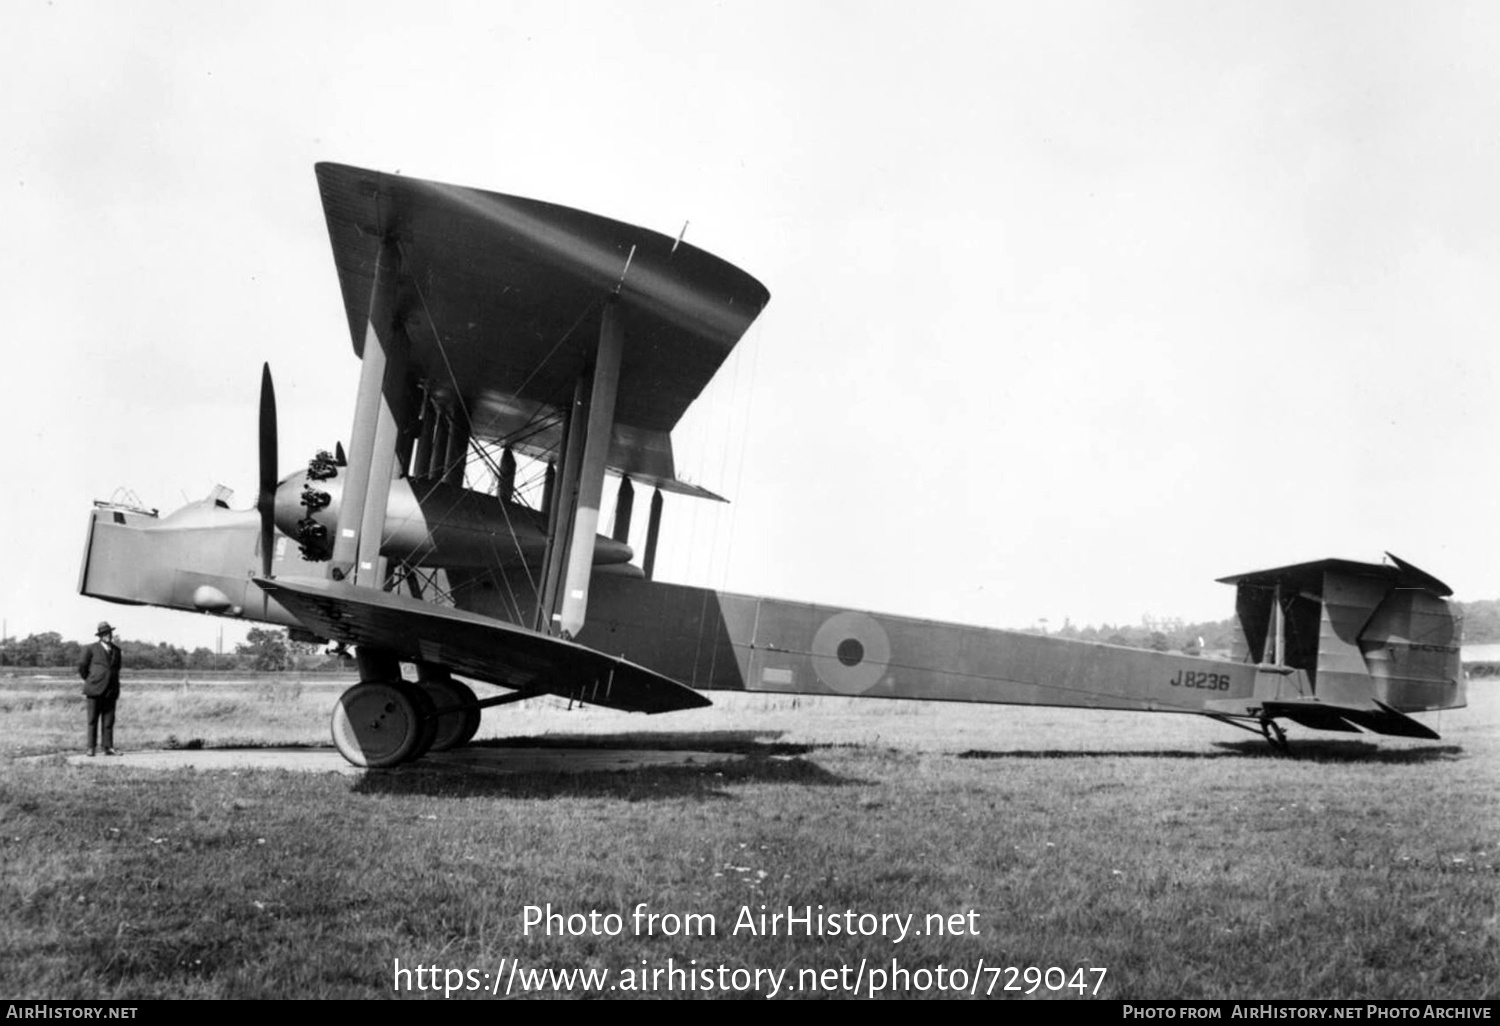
<point x="307" y="508"/>
<point x="288" y="505"/>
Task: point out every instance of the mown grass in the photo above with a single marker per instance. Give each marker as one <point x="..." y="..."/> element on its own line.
<point x="1185" y="858"/>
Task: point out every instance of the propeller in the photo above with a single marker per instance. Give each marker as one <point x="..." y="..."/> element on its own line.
<point x="265" y="502"/>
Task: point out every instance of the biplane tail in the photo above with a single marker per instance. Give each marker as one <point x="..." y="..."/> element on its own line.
<point x="1331" y="645"/>
<point x="1365" y="644"/>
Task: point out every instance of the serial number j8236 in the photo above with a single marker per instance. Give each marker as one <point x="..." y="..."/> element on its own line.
<point x="1201" y="679"/>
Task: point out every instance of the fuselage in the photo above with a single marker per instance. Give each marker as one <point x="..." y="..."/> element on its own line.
<point x="1375" y="644"/>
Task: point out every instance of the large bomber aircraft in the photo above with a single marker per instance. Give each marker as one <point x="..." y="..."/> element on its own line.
<point x="501" y="336"/>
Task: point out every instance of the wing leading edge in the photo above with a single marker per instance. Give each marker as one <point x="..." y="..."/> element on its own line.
<point x="493" y="293"/>
<point x="478" y="647"/>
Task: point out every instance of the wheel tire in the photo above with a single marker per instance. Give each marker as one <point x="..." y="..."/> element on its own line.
<point x="427" y="717"/>
<point x="456" y="725"/>
<point x="377" y="724"/>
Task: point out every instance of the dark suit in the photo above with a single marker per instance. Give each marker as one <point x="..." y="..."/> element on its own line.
<point x="100" y="670"/>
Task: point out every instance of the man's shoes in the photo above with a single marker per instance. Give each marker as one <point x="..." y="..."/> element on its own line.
<point x="91" y="753"/>
<point x="110" y="751"/>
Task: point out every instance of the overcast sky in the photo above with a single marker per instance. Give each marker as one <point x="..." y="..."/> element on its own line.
<point x="1074" y="306"/>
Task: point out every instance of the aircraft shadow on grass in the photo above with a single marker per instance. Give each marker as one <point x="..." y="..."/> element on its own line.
<point x="755" y="758"/>
<point x="1322" y="750"/>
<point x="1305" y="751"/>
<point x="722" y="742"/>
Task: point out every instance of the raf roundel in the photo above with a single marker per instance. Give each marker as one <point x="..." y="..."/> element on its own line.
<point x="850" y="652"/>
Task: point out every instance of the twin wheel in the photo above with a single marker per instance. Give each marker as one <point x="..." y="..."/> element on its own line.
<point x="384" y="723"/>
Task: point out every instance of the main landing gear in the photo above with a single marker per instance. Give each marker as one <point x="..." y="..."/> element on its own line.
<point x="385" y="720"/>
<point x="457" y="714"/>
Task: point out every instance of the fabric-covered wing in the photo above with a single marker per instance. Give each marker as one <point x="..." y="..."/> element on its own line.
<point x="500" y="298"/>
<point x="478" y="647"/>
<point x="1377" y="718"/>
<point x="1309" y="576"/>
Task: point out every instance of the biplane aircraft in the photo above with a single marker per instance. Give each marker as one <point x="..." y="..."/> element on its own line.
<point x="502" y="337"/>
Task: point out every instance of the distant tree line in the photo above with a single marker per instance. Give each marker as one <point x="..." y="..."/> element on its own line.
<point x="263" y="649"/>
<point x="1194" y="638"/>
<point x="1481" y="622"/>
<point x="269" y="649"/>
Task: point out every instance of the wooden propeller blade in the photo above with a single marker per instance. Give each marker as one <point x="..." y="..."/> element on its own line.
<point x="265" y="502"/>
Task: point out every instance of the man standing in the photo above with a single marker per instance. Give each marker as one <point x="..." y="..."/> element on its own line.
<point x="100" y="670"/>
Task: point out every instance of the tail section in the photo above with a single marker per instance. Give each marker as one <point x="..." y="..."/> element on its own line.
<point x="1373" y="642"/>
<point x="1332" y="645"/>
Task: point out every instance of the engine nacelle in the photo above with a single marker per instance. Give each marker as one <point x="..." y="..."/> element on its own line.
<point x="427" y="523"/>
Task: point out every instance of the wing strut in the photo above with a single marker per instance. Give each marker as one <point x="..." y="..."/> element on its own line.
<point x="653" y="532"/>
<point x="437" y="445"/>
<point x="505" y="481"/>
<point x="575" y="520"/>
<point x="624" y="504"/>
<point x="606" y="386"/>
<point x="561" y="495"/>
<point x="458" y="449"/>
<point x="422" y="456"/>
<point x="372" y="442"/>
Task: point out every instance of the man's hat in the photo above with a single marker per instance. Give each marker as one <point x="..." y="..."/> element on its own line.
<point x="104" y="627"/>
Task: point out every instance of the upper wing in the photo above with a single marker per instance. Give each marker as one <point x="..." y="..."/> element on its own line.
<point x="500" y="295"/>
<point x="1309" y="576"/>
<point x="478" y="647"/>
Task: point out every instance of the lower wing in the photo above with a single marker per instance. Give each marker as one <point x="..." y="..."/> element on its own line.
<point x="477" y="647"/>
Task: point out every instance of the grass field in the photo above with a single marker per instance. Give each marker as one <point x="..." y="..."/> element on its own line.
<point x="1183" y="857"/>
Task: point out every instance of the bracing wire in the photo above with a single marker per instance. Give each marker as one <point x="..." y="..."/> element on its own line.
<point x="525" y="431"/>
<point x="739" y="472"/>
